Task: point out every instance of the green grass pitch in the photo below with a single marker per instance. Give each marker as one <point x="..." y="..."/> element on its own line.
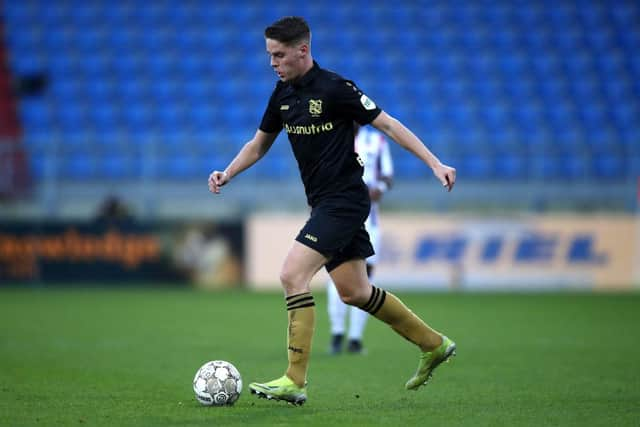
<point x="127" y="358"/>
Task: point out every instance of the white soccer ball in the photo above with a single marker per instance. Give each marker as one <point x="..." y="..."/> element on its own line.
<point x="217" y="383"/>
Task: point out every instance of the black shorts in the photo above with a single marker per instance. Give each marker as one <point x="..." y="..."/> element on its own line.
<point x="336" y="229"/>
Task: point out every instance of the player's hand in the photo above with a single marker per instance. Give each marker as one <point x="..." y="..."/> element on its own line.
<point x="446" y="175"/>
<point x="216" y="180"/>
<point x="375" y="194"/>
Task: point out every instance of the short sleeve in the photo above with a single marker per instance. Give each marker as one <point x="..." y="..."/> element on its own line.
<point x="271" y="120"/>
<point x="351" y="102"/>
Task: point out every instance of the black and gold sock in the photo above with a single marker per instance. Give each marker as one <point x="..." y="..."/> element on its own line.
<point x="301" y="311"/>
<point x="388" y="308"/>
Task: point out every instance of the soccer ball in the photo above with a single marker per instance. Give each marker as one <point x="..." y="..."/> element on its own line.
<point x="217" y="383"/>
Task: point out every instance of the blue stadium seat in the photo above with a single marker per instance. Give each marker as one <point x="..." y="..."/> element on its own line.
<point x="574" y="166"/>
<point x="474" y="166"/>
<point x="38" y="165"/>
<point x="633" y="166"/>
<point x="511" y="166"/>
<point x="77" y="166"/>
<point x="609" y="166"/>
<point x="546" y="166"/>
<point x="409" y="168"/>
<point x="117" y="166"/>
<point x="105" y="118"/>
<point x="510" y="77"/>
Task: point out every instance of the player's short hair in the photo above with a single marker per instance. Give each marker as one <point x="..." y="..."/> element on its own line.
<point x="289" y="30"/>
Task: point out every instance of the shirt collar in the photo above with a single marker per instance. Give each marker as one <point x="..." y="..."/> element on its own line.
<point x="308" y="77"/>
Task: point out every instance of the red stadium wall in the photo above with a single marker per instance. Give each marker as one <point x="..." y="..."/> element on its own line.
<point x="14" y="177"/>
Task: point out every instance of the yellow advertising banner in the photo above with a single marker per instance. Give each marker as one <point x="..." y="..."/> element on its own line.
<point x="468" y="252"/>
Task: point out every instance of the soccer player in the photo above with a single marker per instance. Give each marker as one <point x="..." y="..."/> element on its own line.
<point x="372" y="147"/>
<point x="317" y="109"/>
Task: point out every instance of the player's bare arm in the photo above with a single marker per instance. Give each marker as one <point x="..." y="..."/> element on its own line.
<point x="250" y="153"/>
<point x="376" y="191"/>
<point x="398" y="132"/>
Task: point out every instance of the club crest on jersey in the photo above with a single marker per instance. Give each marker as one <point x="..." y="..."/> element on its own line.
<point x="315" y="107"/>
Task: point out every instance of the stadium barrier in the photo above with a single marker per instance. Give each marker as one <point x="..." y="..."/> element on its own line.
<point x="207" y="254"/>
<point x="533" y="252"/>
<point x="419" y="252"/>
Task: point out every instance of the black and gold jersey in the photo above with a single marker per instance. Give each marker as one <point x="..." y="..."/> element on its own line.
<point x="318" y="112"/>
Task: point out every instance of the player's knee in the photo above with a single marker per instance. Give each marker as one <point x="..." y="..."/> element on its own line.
<point x="292" y="280"/>
<point x="356" y="297"/>
<point x="347" y="299"/>
<point x="287" y="277"/>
